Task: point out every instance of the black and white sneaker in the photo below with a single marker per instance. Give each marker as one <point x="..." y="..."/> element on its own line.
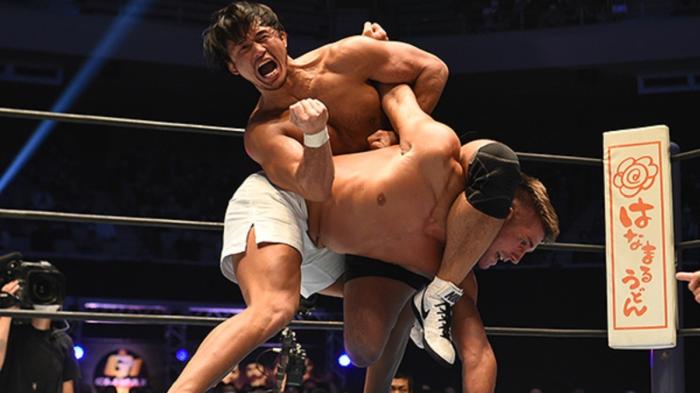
<point x="433" y="309"/>
<point x="416" y="334"/>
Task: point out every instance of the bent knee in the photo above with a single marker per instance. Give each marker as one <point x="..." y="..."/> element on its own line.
<point x="494" y="175"/>
<point x="274" y="316"/>
<point x="363" y="350"/>
<point x="363" y="356"/>
<point x="282" y="313"/>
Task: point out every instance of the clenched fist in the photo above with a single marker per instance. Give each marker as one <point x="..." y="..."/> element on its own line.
<point x="309" y="114"/>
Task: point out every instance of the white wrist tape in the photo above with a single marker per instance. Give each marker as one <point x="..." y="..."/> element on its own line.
<point x="316" y="140"/>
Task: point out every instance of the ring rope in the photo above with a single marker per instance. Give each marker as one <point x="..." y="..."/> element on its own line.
<point x="555" y="246"/>
<point x="120" y="122"/>
<point x="559" y="159"/>
<point x="216" y="130"/>
<point x="687" y="155"/>
<point x="299" y="325"/>
<point x="544" y="332"/>
<point x="151" y="319"/>
<point x="688" y="244"/>
<point x="118" y="220"/>
<point x="201" y="225"/>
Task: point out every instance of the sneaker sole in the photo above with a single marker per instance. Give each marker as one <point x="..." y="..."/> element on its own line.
<point x="442" y="362"/>
<point x="419" y="346"/>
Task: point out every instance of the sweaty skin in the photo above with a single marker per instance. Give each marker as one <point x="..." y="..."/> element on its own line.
<point x="399" y="213"/>
<point x="341" y="76"/>
<point x="378" y="216"/>
<point x="393" y="204"/>
<point x="333" y="82"/>
<point x="330" y="72"/>
<point x="310" y="75"/>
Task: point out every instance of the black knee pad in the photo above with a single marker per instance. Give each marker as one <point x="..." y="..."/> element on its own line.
<point x="494" y="174"/>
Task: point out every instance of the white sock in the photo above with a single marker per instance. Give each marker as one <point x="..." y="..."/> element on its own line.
<point x="444" y="290"/>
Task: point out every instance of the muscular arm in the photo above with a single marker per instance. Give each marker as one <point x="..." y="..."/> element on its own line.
<point x="478" y="359"/>
<point x="306" y="171"/>
<point x="415" y="127"/>
<point x="394" y="62"/>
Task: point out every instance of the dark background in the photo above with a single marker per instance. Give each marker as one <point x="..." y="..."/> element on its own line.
<point x="542" y="76"/>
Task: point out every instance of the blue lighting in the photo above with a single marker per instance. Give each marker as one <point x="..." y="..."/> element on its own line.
<point x="110" y="41"/>
<point x="344" y="360"/>
<point x="78" y="352"/>
<point x="182" y="355"/>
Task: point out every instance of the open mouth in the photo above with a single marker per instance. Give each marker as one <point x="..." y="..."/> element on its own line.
<point x="268" y="69"/>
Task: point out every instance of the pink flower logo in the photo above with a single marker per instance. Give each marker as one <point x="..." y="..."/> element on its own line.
<point x="635" y="175"/>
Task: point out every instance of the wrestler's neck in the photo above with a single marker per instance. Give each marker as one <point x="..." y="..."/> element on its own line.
<point x="300" y="74"/>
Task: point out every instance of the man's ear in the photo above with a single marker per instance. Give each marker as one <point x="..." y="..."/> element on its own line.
<point x="232" y="68"/>
<point x="510" y="213"/>
<point x="511" y="210"/>
<point x="283" y="37"/>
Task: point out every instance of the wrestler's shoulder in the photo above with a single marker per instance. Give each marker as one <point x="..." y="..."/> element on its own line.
<point x="350" y="46"/>
<point x="264" y="120"/>
<point x="269" y="112"/>
<point x="261" y="131"/>
<point x="342" y="50"/>
<point x="329" y="51"/>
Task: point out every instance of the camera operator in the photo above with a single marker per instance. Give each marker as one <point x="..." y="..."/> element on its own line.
<point x="34" y="357"/>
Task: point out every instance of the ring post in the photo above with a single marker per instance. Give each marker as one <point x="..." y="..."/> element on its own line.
<point x="640" y="249"/>
<point x="667" y="365"/>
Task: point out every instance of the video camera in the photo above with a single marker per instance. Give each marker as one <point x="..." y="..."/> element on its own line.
<point x="41" y="284"/>
<point x="292" y="363"/>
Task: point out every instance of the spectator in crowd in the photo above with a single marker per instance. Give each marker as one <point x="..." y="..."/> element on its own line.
<point x="314" y="382"/>
<point x="34" y="357"/>
<point x="401" y="383"/>
<point x="256" y="378"/>
<point x="231" y="383"/>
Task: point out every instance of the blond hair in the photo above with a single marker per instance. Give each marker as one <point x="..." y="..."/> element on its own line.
<point x="533" y="193"/>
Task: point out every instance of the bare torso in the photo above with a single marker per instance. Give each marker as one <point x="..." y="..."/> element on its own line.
<point x="385" y="207"/>
<point x="353" y="103"/>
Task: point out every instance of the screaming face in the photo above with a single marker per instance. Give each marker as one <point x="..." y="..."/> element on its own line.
<point x="261" y="57"/>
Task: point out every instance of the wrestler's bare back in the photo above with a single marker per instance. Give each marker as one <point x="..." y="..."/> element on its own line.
<point x="353" y="104"/>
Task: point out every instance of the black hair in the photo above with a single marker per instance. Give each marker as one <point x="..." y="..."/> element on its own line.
<point x="232" y="23"/>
